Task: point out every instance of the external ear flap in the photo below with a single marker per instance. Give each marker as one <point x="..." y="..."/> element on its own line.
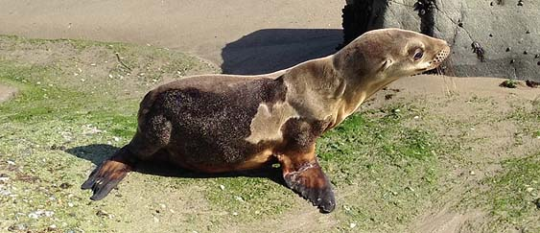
<point x="385" y="64"/>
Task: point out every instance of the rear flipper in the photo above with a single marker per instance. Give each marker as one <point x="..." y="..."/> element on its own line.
<point x="109" y="173"/>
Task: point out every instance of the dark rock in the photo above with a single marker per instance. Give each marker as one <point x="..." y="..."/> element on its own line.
<point x="55" y="147"/>
<point x="532" y="84"/>
<point x="537" y="203"/>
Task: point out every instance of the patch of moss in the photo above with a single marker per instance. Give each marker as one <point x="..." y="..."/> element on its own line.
<point x="510" y="83"/>
<point x="381" y="166"/>
<point x="512" y="195"/>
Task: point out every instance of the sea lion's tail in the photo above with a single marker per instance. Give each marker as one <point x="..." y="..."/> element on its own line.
<point x="109" y="173"/>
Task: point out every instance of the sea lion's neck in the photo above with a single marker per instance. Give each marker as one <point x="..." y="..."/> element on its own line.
<point x="317" y="89"/>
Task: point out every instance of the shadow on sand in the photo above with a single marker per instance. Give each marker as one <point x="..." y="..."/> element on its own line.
<point x="97" y="153"/>
<point x="270" y="50"/>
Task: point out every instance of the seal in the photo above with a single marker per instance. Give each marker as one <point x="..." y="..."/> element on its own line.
<point x="222" y="123"/>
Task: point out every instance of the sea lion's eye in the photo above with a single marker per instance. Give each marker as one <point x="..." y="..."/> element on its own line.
<point x="418" y="54"/>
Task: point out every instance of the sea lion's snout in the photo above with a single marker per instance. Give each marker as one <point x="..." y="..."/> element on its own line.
<point x="440" y="56"/>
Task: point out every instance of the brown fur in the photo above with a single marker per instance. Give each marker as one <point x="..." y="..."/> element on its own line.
<point x="224" y="123"/>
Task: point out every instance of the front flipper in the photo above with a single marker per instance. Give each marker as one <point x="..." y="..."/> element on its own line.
<point x="310" y="182"/>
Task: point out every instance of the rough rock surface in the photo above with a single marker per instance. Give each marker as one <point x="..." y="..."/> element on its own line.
<point x="508" y="31"/>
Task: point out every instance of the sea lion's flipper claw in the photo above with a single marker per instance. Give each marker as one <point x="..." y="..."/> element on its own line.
<point x="101" y="190"/>
<point x="311" y="183"/>
<point x="107" y="175"/>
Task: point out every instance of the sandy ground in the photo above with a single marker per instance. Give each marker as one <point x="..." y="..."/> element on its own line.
<point x="240" y="36"/>
<point x="262" y="35"/>
<point x="6" y="93"/>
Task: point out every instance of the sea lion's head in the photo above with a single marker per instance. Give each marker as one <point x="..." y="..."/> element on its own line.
<point x="379" y="57"/>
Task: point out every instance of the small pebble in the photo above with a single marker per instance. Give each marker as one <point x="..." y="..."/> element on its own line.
<point x="18" y="228"/>
<point x="352" y="225"/>
<point x="65" y="185"/>
<point x="11" y="163"/>
<point x="529" y="190"/>
<point x="508" y="49"/>
<point x="40" y="213"/>
<point x="49" y="213"/>
<point x="102" y="213"/>
<point x="221" y="187"/>
<point x="472" y="173"/>
<point x="4" y="178"/>
<point x="52" y="227"/>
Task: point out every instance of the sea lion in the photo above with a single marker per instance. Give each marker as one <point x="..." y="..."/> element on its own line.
<point x="221" y="123"/>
